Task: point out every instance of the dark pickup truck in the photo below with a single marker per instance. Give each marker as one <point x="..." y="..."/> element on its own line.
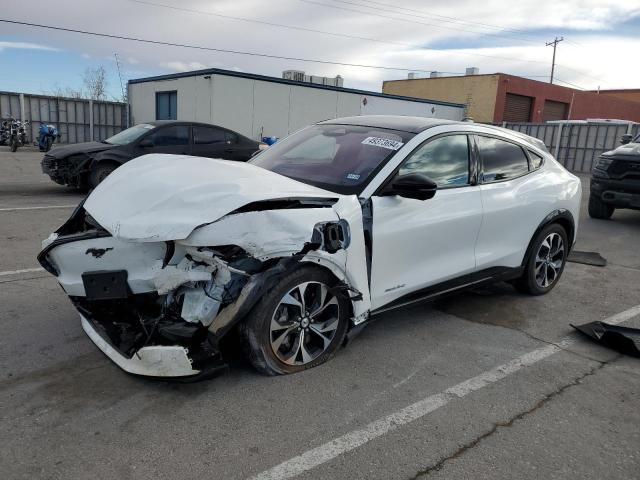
<point x="615" y="180"/>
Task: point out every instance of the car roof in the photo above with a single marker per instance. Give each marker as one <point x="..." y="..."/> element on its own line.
<point x="392" y="122"/>
<point x="160" y="123"/>
<point x="420" y="124"/>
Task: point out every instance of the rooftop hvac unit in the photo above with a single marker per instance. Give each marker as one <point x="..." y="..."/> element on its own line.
<point x="295" y="75"/>
<point x="472" y="71"/>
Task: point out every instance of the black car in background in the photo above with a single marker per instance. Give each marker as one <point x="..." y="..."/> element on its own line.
<point x="615" y="180"/>
<point x="85" y="165"/>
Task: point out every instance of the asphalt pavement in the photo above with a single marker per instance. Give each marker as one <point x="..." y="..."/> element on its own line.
<point x="482" y="384"/>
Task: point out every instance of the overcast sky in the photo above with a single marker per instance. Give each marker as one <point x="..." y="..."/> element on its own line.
<point x="600" y="49"/>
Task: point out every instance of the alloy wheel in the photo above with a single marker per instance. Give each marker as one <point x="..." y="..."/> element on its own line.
<point x="304" y="323"/>
<point x="549" y="260"/>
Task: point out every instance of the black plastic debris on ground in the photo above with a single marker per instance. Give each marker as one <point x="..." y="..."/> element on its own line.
<point x="588" y="258"/>
<point x="623" y="339"/>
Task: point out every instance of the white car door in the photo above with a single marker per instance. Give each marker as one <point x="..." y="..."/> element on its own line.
<point x="513" y="200"/>
<point x="419" y="243"/>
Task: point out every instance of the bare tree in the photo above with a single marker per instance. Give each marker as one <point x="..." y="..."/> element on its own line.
<point x="95" y="82"/>
<point x="58" y="91"/>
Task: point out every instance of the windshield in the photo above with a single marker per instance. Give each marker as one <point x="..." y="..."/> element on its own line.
<point x="339" y="158"/>
<point x="130" y="134"/>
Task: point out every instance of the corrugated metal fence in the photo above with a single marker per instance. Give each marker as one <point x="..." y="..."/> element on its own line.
<point x="77" y="120"/>
<point x="577" y="145"/>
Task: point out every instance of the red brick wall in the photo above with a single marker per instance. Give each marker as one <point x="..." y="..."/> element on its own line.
<point x="584" y="104"/>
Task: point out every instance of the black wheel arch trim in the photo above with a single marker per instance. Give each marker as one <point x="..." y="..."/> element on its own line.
<point x="561" y="216"/>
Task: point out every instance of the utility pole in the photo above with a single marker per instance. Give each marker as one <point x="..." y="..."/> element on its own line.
<point x="553" y="62"/>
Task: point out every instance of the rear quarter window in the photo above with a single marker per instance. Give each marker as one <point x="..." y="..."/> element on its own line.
<point x="501" y="160"/>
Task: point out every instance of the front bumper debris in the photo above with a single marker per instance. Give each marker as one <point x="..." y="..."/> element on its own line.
<point x="163" y="361"/>
<point x="623" y="339"/>
<point x="155" y="360"/>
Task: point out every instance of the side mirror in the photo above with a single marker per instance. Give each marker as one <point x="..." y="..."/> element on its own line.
<point x="145" y="143"/>
<point x="626" y="138"/>
<point x="412" y="185"/>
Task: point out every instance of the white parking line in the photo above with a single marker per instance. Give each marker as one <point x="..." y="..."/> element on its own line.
<point x="24" y="270"/>
<point x="356" y="438"/>
<point x="48" y="207"/>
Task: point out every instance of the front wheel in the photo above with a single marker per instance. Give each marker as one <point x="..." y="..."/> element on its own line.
<point x="48" y="142"/>
<point x="100" y="172"/>
<point x="298" y="324"/>
<point x="599" y="209"/>
<point x="546" y="261"/>
<point x="13" y="144"/>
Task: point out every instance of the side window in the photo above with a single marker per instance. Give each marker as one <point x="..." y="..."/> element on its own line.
<point x="207" y="135"/>
<point x="501" y="160"/>
<point x="444" y="160"/>
<point x="536" y="160"/>
<point x="230" y="137"/>
<point x="167" y="105"/>
<point x="175" y="135"/>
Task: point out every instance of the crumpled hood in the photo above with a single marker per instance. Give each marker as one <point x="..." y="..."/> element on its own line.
<point x="165" y="197"/>
<point x="73" y="149"/>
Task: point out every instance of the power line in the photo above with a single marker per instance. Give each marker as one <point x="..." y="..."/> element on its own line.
<point x="220" y="50"/>
<point x="344" y="35"/>
<point x="437" y="26"/>
<point x="412" y="21"/>
<point x="569" y="83"/>
<point x="450" y="19"/>
<point x="355" y="37"/>
<point x="263" y="22"/>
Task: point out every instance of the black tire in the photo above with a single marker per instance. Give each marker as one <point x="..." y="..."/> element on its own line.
<point x="48" y="142"/>
<point x="100" y="172"/>
<point x="257" y="335"/>
<point x="530" y="282"/>
<point x="599" y="209"/>
<point x="13" y="144"/>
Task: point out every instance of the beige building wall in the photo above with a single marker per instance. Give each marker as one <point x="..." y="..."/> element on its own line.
<point x="477" y="92"/>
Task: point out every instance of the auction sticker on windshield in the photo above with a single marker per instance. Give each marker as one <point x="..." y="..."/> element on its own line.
<point x="382" y="142"/>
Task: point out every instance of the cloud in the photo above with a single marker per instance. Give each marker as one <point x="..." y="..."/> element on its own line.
<point x="599" y="35"/>
<point x="178" y="66"/>
<point x="26" y="46"/>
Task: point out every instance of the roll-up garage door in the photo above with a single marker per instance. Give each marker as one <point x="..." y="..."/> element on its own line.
<point x="554" y="111"/>
<point x="517" y="108"/>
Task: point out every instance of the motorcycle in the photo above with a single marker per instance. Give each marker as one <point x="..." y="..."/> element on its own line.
<point x="47" y="134"/>
<point x="14" y="133"/>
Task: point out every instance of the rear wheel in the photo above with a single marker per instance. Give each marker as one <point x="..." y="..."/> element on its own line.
<point x="599" y="209"/>
<point x="546" y="261"/>
<point x="100" y="172"/>
<point x="298" y="325"/>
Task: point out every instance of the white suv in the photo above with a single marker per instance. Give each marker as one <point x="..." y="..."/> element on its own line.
<point x="302" y="245"/>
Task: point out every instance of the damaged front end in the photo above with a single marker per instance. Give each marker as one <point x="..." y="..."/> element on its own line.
<point x="72" y="170"/>
<point x="161" y="308"/>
